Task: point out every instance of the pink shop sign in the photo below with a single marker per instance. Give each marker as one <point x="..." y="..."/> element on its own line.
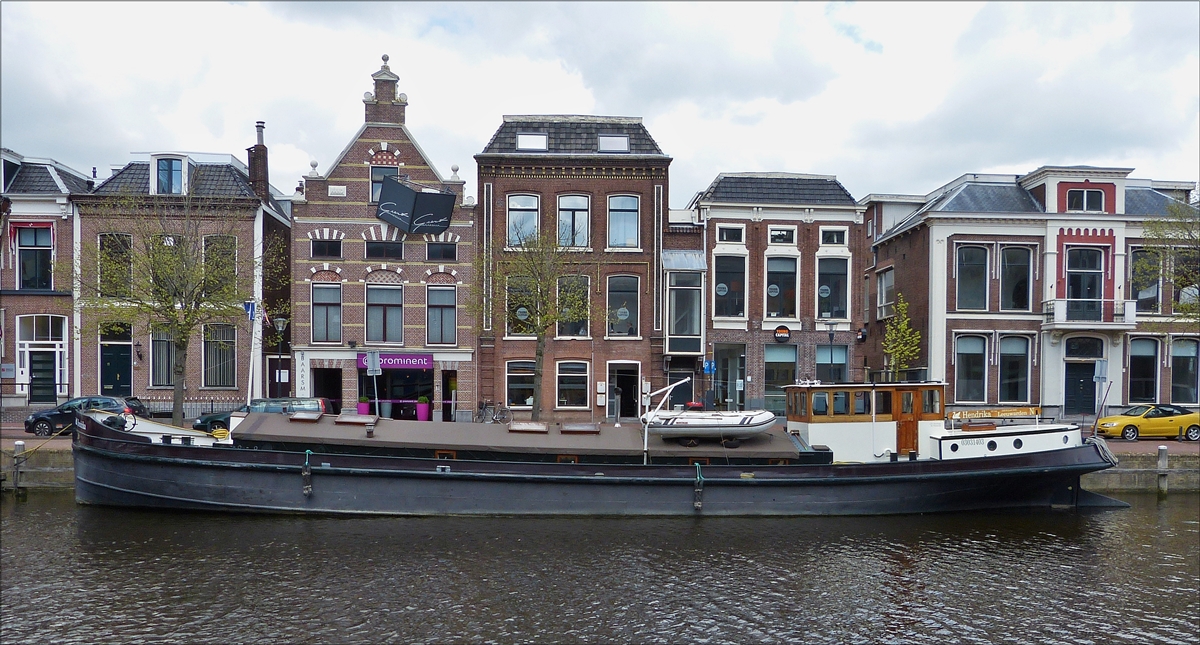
<point x="400" y="361"/>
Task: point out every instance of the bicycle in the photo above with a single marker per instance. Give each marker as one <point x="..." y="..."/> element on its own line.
<point x="491" y="413"/>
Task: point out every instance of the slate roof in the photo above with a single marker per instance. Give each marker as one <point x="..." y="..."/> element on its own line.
<point x="208" y="180"/>
<point x="35" y="178"/>
<point x="990" y="198"/>
<point x="777" y="188"/>
<point x="572" y="135"/>
<point x="1146" y="201"/>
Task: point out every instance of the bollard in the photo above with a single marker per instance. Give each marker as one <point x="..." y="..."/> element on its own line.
<point x="18" y="451"/>
<point x="1162" y="470"/>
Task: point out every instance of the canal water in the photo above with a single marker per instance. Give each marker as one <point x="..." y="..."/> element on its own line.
<point x="75" y="574"/>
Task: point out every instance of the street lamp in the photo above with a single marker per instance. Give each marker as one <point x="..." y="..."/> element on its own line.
<point x="831" y="327"/>
<point x="280" y="325"/>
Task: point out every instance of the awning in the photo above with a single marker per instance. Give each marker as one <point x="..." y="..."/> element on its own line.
<point x="684" y="261"/>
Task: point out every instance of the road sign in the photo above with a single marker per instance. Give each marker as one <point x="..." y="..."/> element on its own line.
<point x="710" y="367"/>
<point x="373" y="368"/>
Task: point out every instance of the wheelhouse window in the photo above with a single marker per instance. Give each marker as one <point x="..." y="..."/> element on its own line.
<point x="573" y="297"/>
<point x="377" y="175"/>
<point x="623" y="222"/>
<point x="622" y="305"/>
<point x="781" y="287"/>
<point x="327" y="313"/>
<point x="384" y="250"/>
<point x="519" y="380"/>
<point x="831" y="287"/>
<point x="1014" y="279"/>
<point x="220" y="264"/>
<point x="969" y="368"/>
<point x="972" y="278"/>
<point x="170" y="176"/>
<point x="327" y="249"/>
<point x="219" y="344"/>
<point x="831" y="363"/>
<point x="34" y="257"/>
<point x="162" y="359"/>
<point x="442" y="251"/>
<point x="1143" y="370"/>
<point x="885" y="284"/>
<point x="1145" y="280"/>
<point x="441" y="309"/>
<point x="1090" y="201"/>
<point x="730" y="286"/>
<point x="683" y="312"/>
<point x="522" y="219"/>
<point x="572" y="384"/>
<point x="1014" y="369"/>
<point x="1185" y="358"/>
<point x="385" y="314"/>
<point x="116" y="264"/>
<point x="573" y="220"/>
<point x="1085" y="284"/>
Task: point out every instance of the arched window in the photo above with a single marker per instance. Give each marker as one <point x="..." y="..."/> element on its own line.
<point x="972" y="277"/>
<point x="1014" y="369"/>
<point x="1185" y="354"/>
<point x="1143" y="370"/>
<point x="970" y="369"/>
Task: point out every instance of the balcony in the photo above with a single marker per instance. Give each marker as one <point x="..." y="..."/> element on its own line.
<point x="1083" y="314"/>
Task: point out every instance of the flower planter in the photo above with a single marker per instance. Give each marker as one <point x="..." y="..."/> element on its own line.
<point x="364" y="408"/>
<point x="422" y="412"/>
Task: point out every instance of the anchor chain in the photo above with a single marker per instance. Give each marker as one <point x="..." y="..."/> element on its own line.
<point x="306" y="475"/>
<point x="698" y="500"/>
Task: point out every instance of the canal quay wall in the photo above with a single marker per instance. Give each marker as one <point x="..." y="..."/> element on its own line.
<point x="48" y="464"/>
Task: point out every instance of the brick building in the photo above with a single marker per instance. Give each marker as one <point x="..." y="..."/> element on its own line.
<point x="227" y="212"/>
<point x="38" y="360"/>
<point x="782" y="252"/>
<point x="361" y="284"/>
<point x="1023" y="291"/>
<point x="600" y="186"/>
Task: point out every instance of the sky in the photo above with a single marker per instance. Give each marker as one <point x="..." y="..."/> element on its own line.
<point x="889" y="97"/>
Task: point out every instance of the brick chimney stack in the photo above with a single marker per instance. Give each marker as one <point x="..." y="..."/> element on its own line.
<point x="384" y="105"/>
<point x="256" y="155"/>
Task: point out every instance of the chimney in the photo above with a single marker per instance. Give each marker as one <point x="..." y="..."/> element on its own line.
<point x="256" y="155"/>
<point x="384" y="105"/>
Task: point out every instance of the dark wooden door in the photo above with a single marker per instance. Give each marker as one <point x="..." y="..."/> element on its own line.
<point x="906" y="422"/>
<point x="1079" y="389"/>
<point x="42" y="381"/>
<point x="116" y="364"/>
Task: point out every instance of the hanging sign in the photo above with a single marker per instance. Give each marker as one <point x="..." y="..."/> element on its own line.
<point x="412" y="211"/>
<point x="783" y="334"/>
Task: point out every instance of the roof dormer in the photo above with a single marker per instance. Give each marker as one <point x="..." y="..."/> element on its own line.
<point x="169" y="173"/>
<point x="1078" y="189"/>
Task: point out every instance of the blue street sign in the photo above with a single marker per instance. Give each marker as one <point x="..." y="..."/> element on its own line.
<point x="710" y="367"/>
<point x="249" y="307"/>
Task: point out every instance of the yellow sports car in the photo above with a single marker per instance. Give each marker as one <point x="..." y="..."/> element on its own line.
<point x="1152" y="421"/>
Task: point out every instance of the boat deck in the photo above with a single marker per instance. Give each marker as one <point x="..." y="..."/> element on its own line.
<point x="496" y="438"/>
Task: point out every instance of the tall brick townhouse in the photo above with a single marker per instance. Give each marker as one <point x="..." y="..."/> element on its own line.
<point x="364" y="284"/>
<point x="782" y="253"/>
<point x="599" y="185"/>
<point x="1023" y="290"/>
<point x="230" y="207"/>
<point x="38" y="360"/>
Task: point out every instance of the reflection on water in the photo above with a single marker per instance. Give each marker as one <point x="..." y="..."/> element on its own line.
<point x="88" y="574"/>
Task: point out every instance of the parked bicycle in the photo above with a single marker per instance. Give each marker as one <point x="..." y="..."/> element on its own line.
<point x="489" y="412"/>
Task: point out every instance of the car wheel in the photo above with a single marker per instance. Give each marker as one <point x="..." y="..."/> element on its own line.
<point x="1193" y="433"/>
<point x="43" y="428"/>
<point x="218" y="425"/>
<point x="1130" y="433"/>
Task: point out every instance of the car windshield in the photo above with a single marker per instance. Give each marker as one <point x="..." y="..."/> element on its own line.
<point x="1135" y="411"/>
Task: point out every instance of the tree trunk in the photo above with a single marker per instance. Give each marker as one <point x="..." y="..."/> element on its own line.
<point x="538" y="356"/>
<point x="178" y="370"/>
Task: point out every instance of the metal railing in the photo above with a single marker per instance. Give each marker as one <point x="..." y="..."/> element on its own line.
<point x="1069" y="310"/>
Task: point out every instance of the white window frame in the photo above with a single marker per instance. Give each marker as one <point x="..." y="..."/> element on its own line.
<point x="587" y="218"/>
<point x="588" y="322"/>
<point x="183" y="172"/>
<point x="885" y="306"/>
<point x="428" y="309"/>
<point x="986" y="371"/>
<point x="637" y="224"/>
<point x="781" y="229"/>
<point x="612" y="143"/>
<point x="508" y="327"/>
<point x="539" y="141"/>
<point x="27" y="345"/>
<point x="312" y="306"/>
<point x="587" y="384"/>
<point x="367" y="312"/>
<point x="796" y="288"/>
<point x="1028" y="277"/>
<point x="987" y="283"/>
<point x="844" y="230"/>
<point x="170" y="343"/>
<point x="508" y="384"/>
<point x="1133" y="295"/>
<point x="17" y="273"/>
<point x="509" y="243"/>
<point x="233" y="353"/>
<point x="1000" y="368"/>
<point x="608" y="305"/>
<point x="1085" y="192"/>
<point x="745" y="286"/>
<point x="817" y="285"/>
<point x="740" y="228"/>
<point x="1157" y="371"/>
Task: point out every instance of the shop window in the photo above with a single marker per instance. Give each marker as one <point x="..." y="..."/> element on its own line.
<point x="1014" y="278"/>
<point x="1014" y="369"/>
<point x="220" y="341"/>
<point x="623" y="222"/>
<point x="1143" y="371"/>
<point x="519" y="379"/>
<point x="385" y="314"/>
<point x="969" y="368"/>
<point x="622" y="305"/>
<point x="781" y="287"/>
<point x="831" y="363"/>
<point x="780" y="371"/>
<point x="572" y="384"/>
<point x="34" y="257"/>
<point x="1185" y="356"/>
<point x="442" y="312"/>
<point x="573" y="220"/>
<point x="972" y="278"/>
<point x="327" y="313"/>
<point x="729" y="288"/>
<point x="831" y="287"/>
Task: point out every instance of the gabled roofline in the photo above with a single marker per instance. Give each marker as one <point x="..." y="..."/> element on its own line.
<point x="357" y="135"/>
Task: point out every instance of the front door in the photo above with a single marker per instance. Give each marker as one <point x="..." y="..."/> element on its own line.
<point x="1079" y="391"/>
<point x="42" y="385"/>
<point x="115" y="366"/>
<point x="623" y="389"/>
<point x="682" y="394"/>
<point x="906" y="423"/>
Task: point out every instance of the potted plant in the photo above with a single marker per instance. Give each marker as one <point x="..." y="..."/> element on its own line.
<point x="364" y="405"/>
<point x="422" y="408"/>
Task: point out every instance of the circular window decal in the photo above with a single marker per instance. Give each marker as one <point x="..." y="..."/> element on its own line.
<point x="773" y="290"/>
<point x="522" y="313"/>
<point x="622" y="314"/>
<point x="824" y="291"/>
<point x="722" y="289"/>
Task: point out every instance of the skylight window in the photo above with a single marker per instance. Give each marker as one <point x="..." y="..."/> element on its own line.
<point x="613" y="143"/>
<point x="526" y="141"/>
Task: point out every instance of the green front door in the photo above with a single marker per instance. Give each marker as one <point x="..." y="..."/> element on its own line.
<point x="42" y="385"/>
<point x="116" y="364"/>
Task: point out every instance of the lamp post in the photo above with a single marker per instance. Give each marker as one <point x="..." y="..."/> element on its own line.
<point x="831" y="327"/>
<point x="280" y="325"/>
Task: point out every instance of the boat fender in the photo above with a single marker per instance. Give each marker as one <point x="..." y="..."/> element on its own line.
<point x="306" y="474"/>
<point x="698" y="500"/>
